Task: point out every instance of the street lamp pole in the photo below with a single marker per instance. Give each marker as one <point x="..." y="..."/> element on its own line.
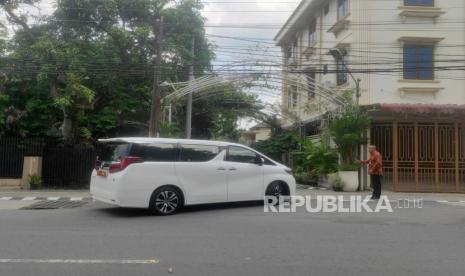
<point x="154" y="123"/>
<point x="189" y="96"/>
<point x="339" y="55"/>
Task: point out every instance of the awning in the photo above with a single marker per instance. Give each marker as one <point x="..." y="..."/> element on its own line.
<point x="449" y="109"/>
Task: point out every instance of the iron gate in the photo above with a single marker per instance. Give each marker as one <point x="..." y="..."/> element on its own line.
<point x="422" y="157"/>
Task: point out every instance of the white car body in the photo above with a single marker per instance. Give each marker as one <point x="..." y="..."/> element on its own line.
<point x="212" y="181"/>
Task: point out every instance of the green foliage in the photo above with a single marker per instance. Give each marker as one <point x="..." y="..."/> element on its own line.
<point x="315" y="159"/>
<point x="276" y="146"/>
<point x="349" y="167"/>
<point x="170" y="131"/>
<point x="35" y="181"/>
<point x="88" y="69"/>
<point x="306" y="178"/>
<point x="348" y="132"/>
<point x="322" y="159"/>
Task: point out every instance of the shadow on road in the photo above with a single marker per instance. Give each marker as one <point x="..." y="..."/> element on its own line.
<point x="135" y="212"/>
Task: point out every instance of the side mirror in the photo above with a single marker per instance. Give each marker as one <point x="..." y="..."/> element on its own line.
<point x="259" y="160"/>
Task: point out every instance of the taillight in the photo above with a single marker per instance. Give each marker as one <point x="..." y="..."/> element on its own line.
<point x="124" y="162"/>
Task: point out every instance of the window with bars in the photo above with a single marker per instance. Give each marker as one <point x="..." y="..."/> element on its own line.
<point x="341" y="69"/>
<point x="311" y="85"/>
<point x="342" y="8"/>
<point x="419" y="62"/>
<point x="312" y="32"/>
<point x="292" y="97"/>
<point x="295" y="49"/>
<point x="426" y="3"/>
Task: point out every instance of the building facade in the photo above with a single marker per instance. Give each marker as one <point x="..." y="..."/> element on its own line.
<point x="409" y="57"/>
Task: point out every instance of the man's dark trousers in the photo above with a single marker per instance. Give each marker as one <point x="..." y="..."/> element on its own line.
<point x="376" y="184"/>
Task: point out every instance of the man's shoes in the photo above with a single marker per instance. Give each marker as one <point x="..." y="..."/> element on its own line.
<point x="374" y="198"/>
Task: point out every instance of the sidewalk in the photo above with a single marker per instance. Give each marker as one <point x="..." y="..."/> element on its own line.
<point x="438" y="197"/>
<point x="43" y="194"/>
<point x="17" y="199"/>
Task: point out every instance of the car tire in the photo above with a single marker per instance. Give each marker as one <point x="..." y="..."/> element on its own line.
<point x="277" y="190"/>
<point x="166" y="201"/>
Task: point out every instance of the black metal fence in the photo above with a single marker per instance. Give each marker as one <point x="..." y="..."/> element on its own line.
<point x="12" y="152"/>
<point x="69" y="168"/>
<point x="62" y="167"/>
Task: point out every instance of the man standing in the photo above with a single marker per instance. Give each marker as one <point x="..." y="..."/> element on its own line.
<point x="375" y="170"/>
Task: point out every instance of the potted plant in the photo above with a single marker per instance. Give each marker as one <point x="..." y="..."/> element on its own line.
<point x="348" y="133"/>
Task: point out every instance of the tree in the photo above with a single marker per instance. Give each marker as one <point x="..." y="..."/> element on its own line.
<point x="348" y="133"/>
<point x="276" y="146"/>
<point x="90" y="64"/>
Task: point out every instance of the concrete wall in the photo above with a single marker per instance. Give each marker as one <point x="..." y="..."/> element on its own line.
<point x="373" y="38"/>
<point x="32" y="166"/>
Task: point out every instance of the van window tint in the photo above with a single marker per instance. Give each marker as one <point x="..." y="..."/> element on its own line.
<point x="114" y="151"/>
<point x="155" y="152"/>
<point x="242" y="155"/>
<point x="198" y="153"/>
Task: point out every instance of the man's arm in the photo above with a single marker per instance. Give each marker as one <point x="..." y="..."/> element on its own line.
<point x="365" y="161"/>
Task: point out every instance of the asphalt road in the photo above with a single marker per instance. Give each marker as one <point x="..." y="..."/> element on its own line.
<point x="237" y="239"/>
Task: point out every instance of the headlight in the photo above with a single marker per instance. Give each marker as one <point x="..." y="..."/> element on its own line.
<point x="289" y="171"/>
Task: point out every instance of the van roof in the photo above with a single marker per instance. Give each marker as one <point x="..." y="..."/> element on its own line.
<point x="143" y="140"/>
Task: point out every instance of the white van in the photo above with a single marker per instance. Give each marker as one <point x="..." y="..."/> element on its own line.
<point x="166" y="174"/>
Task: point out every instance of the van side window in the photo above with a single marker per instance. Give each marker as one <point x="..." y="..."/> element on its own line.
<point x="155" y="152"/>
<point x="198" y="153"/>
<point x="239" y="154"/>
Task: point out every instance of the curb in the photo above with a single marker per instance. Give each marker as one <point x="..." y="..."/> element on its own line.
<point x="306" y="187"/>
<point x="49" y="198"/>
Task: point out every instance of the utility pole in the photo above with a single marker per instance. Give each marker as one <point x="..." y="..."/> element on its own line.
<point x="154" y="124"/>
<point x="189" y="96"/>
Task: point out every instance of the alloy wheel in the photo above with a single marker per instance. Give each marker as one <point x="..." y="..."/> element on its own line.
<point x="166" y="202"/>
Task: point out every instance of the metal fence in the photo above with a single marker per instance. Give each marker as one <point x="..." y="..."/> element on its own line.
<point x="422" y="156"/>
<point x="69" y="168"/>
<point x="12" y="152"/>
<point x="62" y="166"/>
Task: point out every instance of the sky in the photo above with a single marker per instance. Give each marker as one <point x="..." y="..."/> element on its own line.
<point x="253" y="24"/>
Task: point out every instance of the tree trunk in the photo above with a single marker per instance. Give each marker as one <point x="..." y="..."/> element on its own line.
<point x="67" y="128"/>
<point x="16" y="19"/>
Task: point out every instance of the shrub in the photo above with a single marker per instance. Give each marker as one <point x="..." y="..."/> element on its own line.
<point x="348" y="133"/>
<point x="323" y="159"/>
<point x="278" y="145"/>
<point x="35" y="181"/>
<point x="316" y="158"/>
<point x="306" y="178"/>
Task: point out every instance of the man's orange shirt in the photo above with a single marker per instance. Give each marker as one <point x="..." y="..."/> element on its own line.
<point x="375" y="163"/>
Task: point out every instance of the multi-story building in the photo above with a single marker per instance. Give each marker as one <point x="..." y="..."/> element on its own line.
<point x="409" y="56"/>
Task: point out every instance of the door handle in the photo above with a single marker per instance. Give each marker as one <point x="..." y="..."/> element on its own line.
<point x="221" y="169"/>
<point x="232" y="169"/>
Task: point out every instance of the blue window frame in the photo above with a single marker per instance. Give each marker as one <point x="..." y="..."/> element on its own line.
<point x="419" y="62"/>
<point x="428" y="3"/>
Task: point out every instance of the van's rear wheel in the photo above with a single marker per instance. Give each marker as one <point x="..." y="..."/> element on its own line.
<point x="166" y="201"/>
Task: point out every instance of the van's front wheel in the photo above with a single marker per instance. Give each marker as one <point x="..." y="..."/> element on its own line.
<point x="275" y="191"/>
<point x="166" y="201"/>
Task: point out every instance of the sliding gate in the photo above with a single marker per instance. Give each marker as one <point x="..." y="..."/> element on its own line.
<point x="422" y="157"/>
